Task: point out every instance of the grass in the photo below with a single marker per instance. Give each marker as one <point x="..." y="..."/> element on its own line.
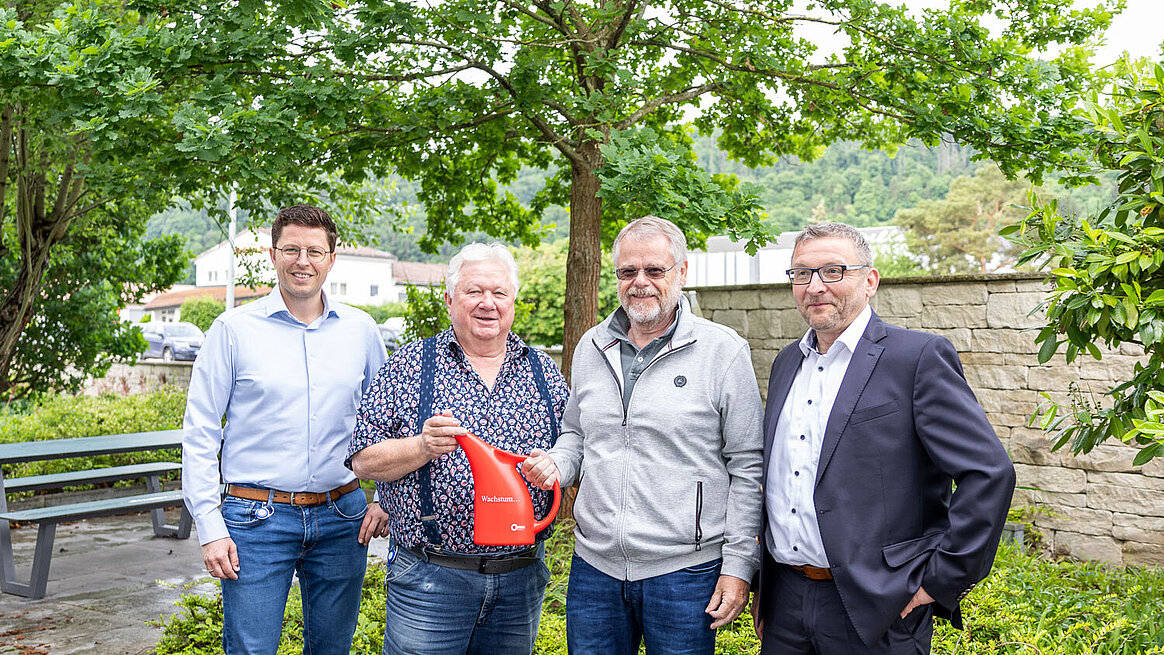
<point x="1028" y="605"/>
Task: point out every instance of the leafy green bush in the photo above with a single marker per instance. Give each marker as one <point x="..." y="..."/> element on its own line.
<point x="201" y="311"/>
<point x="380" y="313"/>
<point x="62" y="417"/>
<point x="1028" y="605"/>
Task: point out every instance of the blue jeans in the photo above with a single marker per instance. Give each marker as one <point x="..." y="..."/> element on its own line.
<point x="608" y="616"/>
<point x="318" y="543"/>
<point x="436" y="610"/>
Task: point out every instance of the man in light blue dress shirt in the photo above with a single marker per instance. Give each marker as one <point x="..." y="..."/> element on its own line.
<point x="286" y="372"/>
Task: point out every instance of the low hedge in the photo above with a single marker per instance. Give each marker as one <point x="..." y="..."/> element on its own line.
<point x="1028" y="605"/>
<point x="63" y="417"/>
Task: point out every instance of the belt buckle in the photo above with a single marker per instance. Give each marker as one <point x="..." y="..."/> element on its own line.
<point x="299" y="494"/>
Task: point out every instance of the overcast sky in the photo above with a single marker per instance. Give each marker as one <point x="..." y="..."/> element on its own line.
<point x="1137" y="29"/>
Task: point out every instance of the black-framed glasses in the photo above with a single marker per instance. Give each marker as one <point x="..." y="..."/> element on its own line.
<point x="315" y="255"/>
<point x="828" y="272"/>
<point x="653" y="272"/>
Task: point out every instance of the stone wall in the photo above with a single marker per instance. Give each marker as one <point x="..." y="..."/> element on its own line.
<point x="140" y="378"/>
<point x="1096" y="506"/>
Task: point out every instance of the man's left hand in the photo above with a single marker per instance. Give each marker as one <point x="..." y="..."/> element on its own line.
<point x="375" y="523"/>
<point x="727" y="601"/>
<point x="920" y="598"/>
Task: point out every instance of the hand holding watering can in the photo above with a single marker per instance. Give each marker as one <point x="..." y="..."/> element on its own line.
<point x="503" y="512"/>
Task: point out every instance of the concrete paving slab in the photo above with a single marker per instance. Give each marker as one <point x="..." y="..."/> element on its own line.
<point x="109" y="579"/>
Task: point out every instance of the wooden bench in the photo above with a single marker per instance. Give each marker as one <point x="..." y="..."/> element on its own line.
<point x="155" y="500"/>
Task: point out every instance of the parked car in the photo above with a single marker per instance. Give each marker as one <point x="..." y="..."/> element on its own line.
<point x="390" y="332"/>
<point x="171" y="341"/>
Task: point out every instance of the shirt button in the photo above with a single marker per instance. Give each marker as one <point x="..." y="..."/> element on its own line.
<point x="793" y="510"/>
<point x="810" y="402"/>
<point x="820" y="368"/>
<point x="796" y="473"/>
<point x="640" y="359"/>
<point x="802" y="437"/>
<point x="795" y="548"/>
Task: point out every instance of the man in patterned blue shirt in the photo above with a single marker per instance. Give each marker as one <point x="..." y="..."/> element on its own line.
<point x="446" y="594"/>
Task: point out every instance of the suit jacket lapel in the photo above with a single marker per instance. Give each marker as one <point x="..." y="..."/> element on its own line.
<point x="861" y="366"/>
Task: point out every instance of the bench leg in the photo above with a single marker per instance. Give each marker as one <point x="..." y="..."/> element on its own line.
<point x="42" y="556"/>
<point x="158" y="516"/>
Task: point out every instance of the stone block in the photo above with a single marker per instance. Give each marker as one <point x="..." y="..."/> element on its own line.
<point x="1053" y="478"/>
<point x="736" y="319"/>
<point x="898" y="301"/>
<point x="1010" y="310"/>
<point x="712" y="300"/>
<point x="1052" y="378"/>
<point x="765" y="323"/>
<point x="1133" y="480"/>
<point x="1004" y="340"/>
<point x="1087" y="547"/>
<point x="1038" y="286"/>
<point x="1030" y="446"/>
<point x="1110" y="457"/>
<point x="775" y="299"/>
<point x="1049" y="499"/>
<point x="1133" y="527"/>
<point x="1131" y="349"/>
<point x="1145" y="502"/>
<point x="1077" y="519"/>
<point x="744" y="299"/>
<point x="954" y="294"/>
<point x="1140" y="554"/>
<point x="952" y="316"/>
<point x="996" y="377"/>
<point x="959" y="337"/>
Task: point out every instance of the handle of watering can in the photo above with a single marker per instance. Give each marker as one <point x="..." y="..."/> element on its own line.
<point x="553" y="513"/>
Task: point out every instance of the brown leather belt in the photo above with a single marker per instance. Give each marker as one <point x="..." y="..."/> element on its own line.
<point x="811" y="572"/>
<point x="303" y="498"/>
<point x="485" y="565"/>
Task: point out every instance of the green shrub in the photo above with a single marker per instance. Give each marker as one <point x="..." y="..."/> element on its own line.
<point x="380" y="313"/>
<point x="62" y="417"/>
<point x="1028" y="605"/>
<point x="201" y="311"/>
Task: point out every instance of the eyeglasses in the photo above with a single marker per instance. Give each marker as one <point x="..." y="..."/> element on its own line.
<point x="827" y="273"/>
<point x="653" y="272"/>
<point x="315" y="255"/>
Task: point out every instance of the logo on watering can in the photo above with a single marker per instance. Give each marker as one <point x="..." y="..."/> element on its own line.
<point x="503" y="512"/>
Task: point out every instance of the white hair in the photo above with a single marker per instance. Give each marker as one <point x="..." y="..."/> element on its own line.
<point x="478" y="252"/>
<point x="649" y="227"/>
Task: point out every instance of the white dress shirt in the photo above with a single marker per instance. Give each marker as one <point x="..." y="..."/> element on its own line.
<point x="289" y="393"/>
<point x="793" y="534"/>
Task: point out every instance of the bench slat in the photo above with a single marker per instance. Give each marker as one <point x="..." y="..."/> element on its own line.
<point x="109" y="474"/>
<point x="27" y="451"/>
<point x="107" y="507"/>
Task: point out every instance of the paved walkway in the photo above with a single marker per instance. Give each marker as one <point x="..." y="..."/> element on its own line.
<point x="109" y="577"/>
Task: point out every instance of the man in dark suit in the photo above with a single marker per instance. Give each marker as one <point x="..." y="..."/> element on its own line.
<point x="886" y="489"/>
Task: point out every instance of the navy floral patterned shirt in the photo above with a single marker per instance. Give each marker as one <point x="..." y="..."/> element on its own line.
<point x="512" y="417"/>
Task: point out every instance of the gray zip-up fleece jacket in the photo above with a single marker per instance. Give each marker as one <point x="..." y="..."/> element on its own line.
<point x="675" y="480"/>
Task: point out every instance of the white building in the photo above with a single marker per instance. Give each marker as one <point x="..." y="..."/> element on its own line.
<point x="725" y="262"/>
<point x="361" y="275"/>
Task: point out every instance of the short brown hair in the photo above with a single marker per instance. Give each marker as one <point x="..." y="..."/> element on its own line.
<point x="307" y="216"/>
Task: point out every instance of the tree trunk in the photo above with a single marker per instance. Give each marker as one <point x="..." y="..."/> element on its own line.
<point x="583" y="265"/>
<point x="584" y="261"/>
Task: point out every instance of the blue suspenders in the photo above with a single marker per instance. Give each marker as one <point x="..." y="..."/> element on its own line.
<point x="424" y="411"/>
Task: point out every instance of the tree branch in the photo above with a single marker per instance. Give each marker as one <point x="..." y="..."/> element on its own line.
<point x="674" y="98"/>
<point x="632" y="9"/>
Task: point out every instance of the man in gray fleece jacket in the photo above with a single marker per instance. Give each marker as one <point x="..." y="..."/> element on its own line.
<point x="662" y="435"/>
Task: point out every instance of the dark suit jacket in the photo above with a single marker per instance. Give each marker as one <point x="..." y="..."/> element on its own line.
<point x="905" y="424"/>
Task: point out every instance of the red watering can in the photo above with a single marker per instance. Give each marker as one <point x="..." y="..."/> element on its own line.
<point x="503" y="512"/>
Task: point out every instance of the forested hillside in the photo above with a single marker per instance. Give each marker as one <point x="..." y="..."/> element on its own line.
<point x="846" y="183"/>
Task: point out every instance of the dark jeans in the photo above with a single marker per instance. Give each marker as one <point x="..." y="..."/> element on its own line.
<point x="319" y="544"/>
<point x="806" y="617"/>
<point x="608" y="616"/>
<point x="436" y="610"/>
